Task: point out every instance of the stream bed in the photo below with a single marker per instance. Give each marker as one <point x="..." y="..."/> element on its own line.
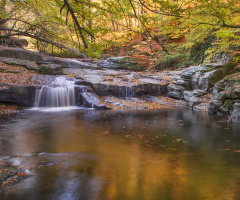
<point x="165" y="154"/>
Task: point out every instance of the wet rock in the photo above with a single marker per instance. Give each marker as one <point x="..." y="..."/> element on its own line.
<point x="187" y="95"/>
<point x="193" y="101"/>
<point x="67" y="63"/>
<point x="18" y="94"/>
<point x="199" y="93"/>
<point x="236" y="109"/>
<point x="217" y="101"/>
<point x="121" y="63"/>
<point x="225" y="94"/>
<point x="175" y="91"/>
<point x="195" y="79"/>
<point x="202" y="106"/>
<point x="43" y="79"/>
<point x="209" y="79"/>
<point x="186" y="84"/>
<point x="189" y="72"/>
<point x="114" y="63"/>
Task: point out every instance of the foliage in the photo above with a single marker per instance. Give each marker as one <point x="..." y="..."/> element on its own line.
<point x="198" y="29"/>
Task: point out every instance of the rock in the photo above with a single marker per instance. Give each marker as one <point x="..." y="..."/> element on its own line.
<point x="199" y="93"/>
<point x="43" y="79"/>
<point x="110" y="65"/>
<point x="189" y="72"/>
<point x="186" y="84"/>
<point x="235" y="92"/>
<point x="209" y="79"/>
<point x="21" y="54"/>
<point x="236" y="110"/>
<point x="51" y="69"/>
<point x="40" y="59"/>
<point x="202" y="106"/>
<point x="217" y="101"/>
<point x="116" y="59"/>
<point x="193" y="101"/>
<point x="67" y="63"/>
<point x="20" y="95"/>
<point x="225" y="94"/>
<point x="187" y="95"/>
<point x="227" y="106"/>
<point x="120" y="63"/>
<point x="114" y="63"/>
<point x="195" y="79"/>
<point x="175" y="91"/>
<point x="30" y="65"/>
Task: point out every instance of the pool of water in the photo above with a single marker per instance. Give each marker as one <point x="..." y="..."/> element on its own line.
<point x="168" y="154"/>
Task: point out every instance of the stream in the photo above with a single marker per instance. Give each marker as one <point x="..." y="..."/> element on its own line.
<point x="165" y="154"/>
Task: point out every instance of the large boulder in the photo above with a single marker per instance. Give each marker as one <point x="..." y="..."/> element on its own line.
<point x="30" y="65"/>
<point x="20" y="53"/>
<point x="17" y="94"/>
<point x="226" y="95"/>
<point x="193" y="101"/>
<point x="175" y="91"/>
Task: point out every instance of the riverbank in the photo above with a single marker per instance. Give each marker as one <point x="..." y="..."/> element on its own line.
<point x="214" y="86"/>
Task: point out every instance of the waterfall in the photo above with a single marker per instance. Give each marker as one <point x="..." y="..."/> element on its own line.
<point x="126" y="92"/>
<point x="64" y="93"/>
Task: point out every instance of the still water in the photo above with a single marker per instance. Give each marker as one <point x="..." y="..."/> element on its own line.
<point x="168" y="154"/>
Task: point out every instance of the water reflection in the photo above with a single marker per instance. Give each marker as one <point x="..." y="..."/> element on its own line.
<point x="165" y="154"/>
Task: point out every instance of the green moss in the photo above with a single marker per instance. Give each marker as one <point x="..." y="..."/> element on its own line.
<point x="46" y="71"/>
<point x="228" y="104"/>
<point x="131" y="64"/>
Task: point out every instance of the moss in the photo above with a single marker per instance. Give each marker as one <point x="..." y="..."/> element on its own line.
<point x="228" y="104"/>
<point x="46" y="71"/>
<point x="131" y="64"/>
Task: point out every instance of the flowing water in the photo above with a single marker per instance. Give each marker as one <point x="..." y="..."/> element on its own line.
<point x="63" y="94"/>
<point x="168" y="154"/>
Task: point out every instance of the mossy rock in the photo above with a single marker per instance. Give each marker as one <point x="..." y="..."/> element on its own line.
<point x="51" y="69"/>
<point x="122" y="63"/>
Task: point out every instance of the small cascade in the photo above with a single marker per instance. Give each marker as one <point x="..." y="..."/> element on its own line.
<point x="87" y="99"/>
<point x="60" y="93"/>
<point x="126" y="92"/>
<point x="64" y="93"/>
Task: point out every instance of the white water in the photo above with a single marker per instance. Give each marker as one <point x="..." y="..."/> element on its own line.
<point x="60" y="93"/>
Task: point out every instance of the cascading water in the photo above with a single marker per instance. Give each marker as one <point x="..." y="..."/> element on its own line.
<point x="126" y="92"/>
<point x="60" y="93"/>
<point x="64" y="93"/>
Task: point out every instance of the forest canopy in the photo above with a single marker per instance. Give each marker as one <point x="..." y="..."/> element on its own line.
<point x="196" y="30"/>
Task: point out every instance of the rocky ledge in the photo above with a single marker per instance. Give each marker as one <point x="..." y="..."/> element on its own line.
<point x="214" y="87"/>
